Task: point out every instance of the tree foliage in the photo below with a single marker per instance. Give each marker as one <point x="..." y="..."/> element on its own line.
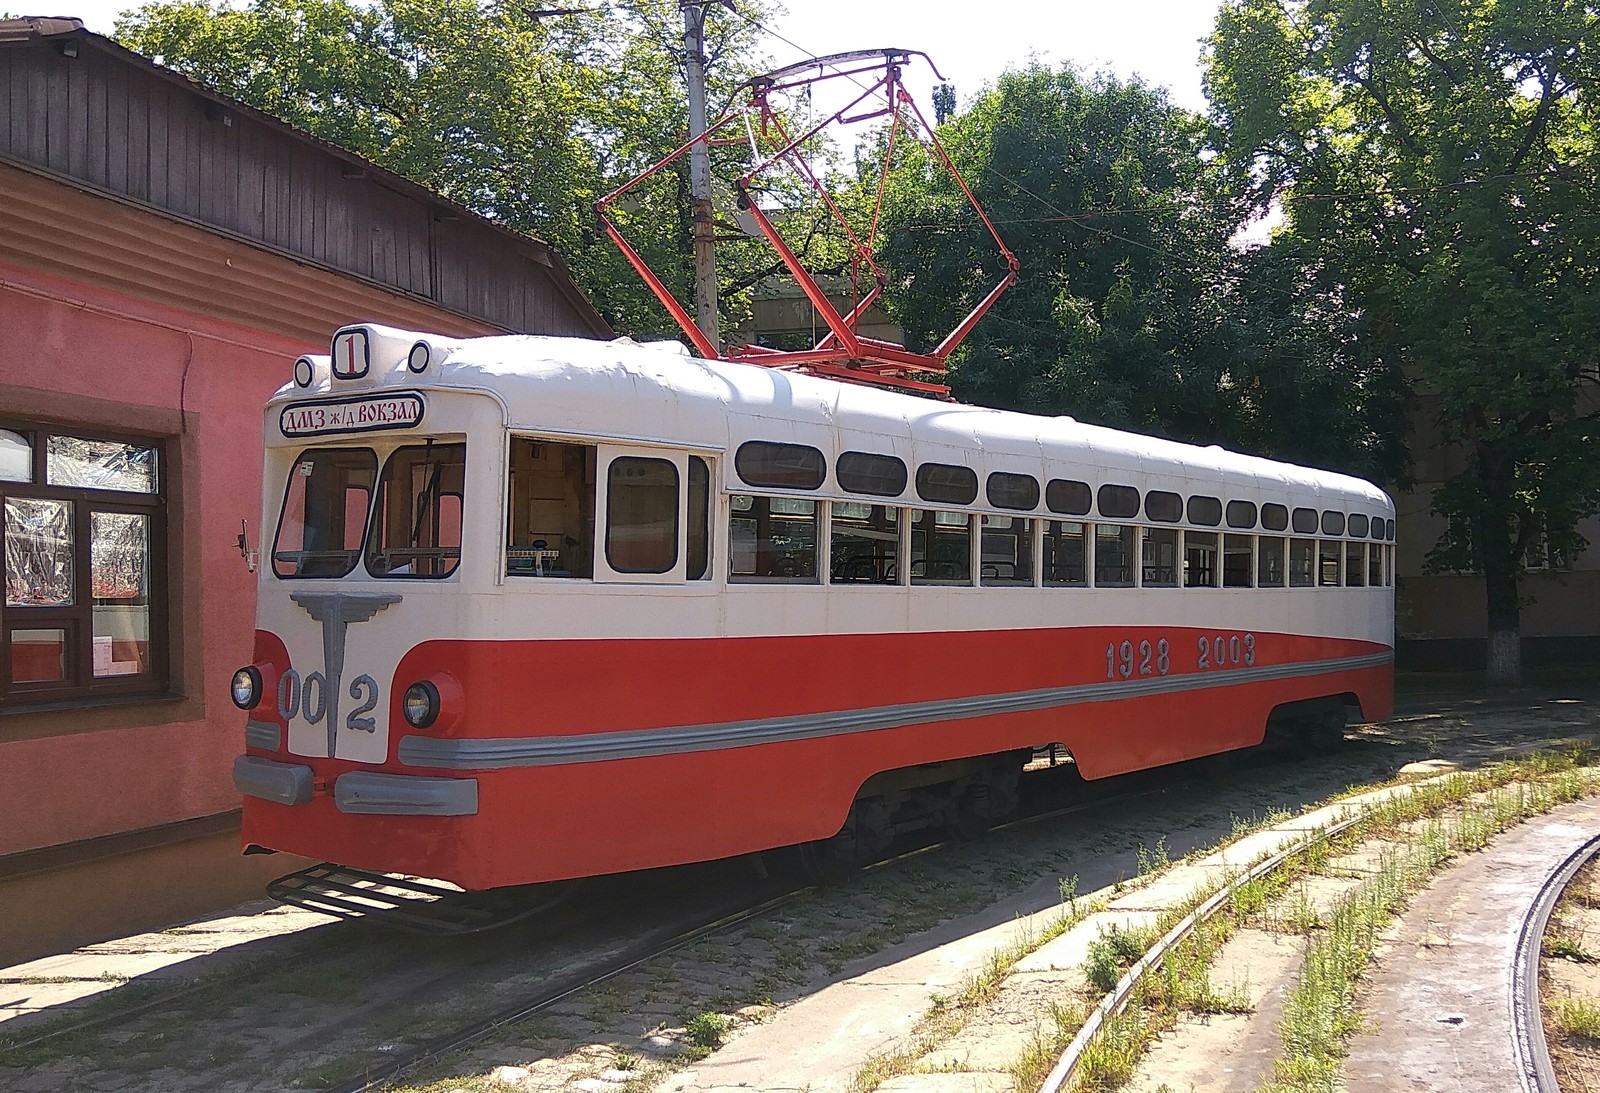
<point x="524" y="117"/>
<point x="1437" y="162"/>
<point x="1133" y="308"/>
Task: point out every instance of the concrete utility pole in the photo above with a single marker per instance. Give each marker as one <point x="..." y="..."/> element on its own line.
<point x="705" y="261"/>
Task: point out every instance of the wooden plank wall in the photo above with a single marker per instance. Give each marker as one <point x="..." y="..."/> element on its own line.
<point x="116" y="126"/>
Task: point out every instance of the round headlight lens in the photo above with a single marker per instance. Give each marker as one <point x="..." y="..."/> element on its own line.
<point x="421" y="704"/>
<point x="246" y="687"/>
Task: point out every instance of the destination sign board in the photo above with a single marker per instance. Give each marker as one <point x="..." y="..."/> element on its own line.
<point x="351" y="415"/>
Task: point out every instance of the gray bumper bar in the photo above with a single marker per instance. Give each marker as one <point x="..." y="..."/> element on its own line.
<point x="285" y="783"/>
<point x="403" y="795"/>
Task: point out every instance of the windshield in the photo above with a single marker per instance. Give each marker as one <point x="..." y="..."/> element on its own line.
<point x="324" y="512"/>
<point x="416" y="523"/>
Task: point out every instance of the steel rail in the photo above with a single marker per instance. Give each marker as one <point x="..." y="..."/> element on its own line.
<point x="381" y="1078"/>
<point x="1117" y="1000"/>
<point x="1534" y="1071"/>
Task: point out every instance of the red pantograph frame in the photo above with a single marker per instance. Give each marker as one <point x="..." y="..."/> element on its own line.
<point x="843" y="353"/>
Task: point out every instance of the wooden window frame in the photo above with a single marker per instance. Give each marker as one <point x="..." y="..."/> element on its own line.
<point x="81" y="683"/>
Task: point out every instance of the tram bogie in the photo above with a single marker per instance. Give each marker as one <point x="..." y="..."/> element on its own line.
<point x="540" y="608"/>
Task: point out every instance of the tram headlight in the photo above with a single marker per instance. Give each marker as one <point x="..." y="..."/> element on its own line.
<point x="246" y="687"/>
<point x="421" y="704"/>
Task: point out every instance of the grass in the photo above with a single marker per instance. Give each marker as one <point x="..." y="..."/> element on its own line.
<point x="1577" y="1017"/>
<point x="1321" y="1013"/>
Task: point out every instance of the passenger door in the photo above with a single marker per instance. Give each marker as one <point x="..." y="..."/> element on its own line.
<point x="641" y="507"/>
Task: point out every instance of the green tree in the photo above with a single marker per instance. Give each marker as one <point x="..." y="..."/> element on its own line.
<point x="1436" y="162"/>
<point x="1133" y="308"/>
<point x="524" y="117"/>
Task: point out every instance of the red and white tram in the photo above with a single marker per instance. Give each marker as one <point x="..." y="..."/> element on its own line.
<point x="540" y="608"/>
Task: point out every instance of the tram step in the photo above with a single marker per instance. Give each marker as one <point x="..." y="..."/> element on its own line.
<point x="421" y="906"/>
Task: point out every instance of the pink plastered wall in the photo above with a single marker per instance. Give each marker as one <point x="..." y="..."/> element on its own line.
<point x="66" y="343"/>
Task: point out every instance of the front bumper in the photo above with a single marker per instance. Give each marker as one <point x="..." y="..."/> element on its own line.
<point x="359" y="792"/>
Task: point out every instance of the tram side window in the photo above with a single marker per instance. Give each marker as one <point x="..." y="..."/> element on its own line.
<point x="416" y="520"/>
<point x="324" y="517"/>
<point x="1328" y="551"/>
<point x="1237" y="556"/>
<point x="1200" y="559"/>
<point x="551" y="523"/>
<point x="941" y="547"/>
<point x="1375" y="554"/>
<point x="866" y="544"/>
<point x="1007" y="551"/>
<point x="1113" y="556"/>
<point x="641" y="515"/>
<point x="1063" y="553"/>
<point x="1159" y="568"/>
<point x="1355" y="555"/>
<point x="699" y="530"/>
<point x="773" y="540"/>
<point x="1302" y="563"/>
<point x="1270" y="562"/>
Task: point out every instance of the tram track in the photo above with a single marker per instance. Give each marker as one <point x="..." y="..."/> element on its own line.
<point x="1533" y="1053"/>
<point x="561" y="959"/>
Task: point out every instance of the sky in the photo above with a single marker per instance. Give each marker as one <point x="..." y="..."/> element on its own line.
<point x="972" y="42"/>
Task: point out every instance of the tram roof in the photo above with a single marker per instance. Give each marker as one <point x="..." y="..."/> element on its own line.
<point x="659" y="391"/>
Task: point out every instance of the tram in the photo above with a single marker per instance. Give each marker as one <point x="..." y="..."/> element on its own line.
<point x="541" y="608"/>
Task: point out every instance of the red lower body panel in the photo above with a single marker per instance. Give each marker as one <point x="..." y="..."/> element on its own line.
<point x="570" y="819"/>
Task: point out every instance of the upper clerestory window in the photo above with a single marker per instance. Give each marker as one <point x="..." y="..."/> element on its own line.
<point x="780" y="466"/>
<point x="947" y="484"/>
<point x="1067" y="497"/>
<point x="1012" y="491"/>
<point x="1163" y="506"/>
<point x="878" y="475"/>
<point x="1118" y="502"/>
<point x="1205" y="511"/>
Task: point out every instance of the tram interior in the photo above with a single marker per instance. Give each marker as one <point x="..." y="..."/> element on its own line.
<point x="551" y="532"/>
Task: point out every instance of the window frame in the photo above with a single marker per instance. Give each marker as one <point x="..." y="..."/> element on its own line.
<point x="78" y="619"/>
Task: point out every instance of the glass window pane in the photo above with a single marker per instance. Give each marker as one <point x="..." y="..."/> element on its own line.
<point x="1358" y="525"/>
<point x="39" y="553"/>
<point x="1238" y="555"/>
<point x="16" y="457"/>
<point x="1375" y="559"/>
<point x="1067" y="496"/>
<point x="1305" y="521"/>
<point x="416" y="517"/>
<point x="1328" y="568"/>
<point x="1113" y="554"/>
<point x="864" y="472"/>
<point x="1241" y="514"/>
<point x="100" y="464"/>
<point x="642" y="515"/>
<point x="1159" y="568"/>
<point x="550" y="528"/>
<point x="943" y="482"/>
<point x="699" y="560"/>
<point x="1200" y="559"/>
<point x="866" y="544"/>
<point x="119" y="575"/>
<point x="39" y="655"/>
<point x="1205" y="510"/>
<point x="1302" y="562"/>
<point x="1163" y="505"/>
<point x="1120" y="502"/>
<point x="1355" y="557"/>
<point x="324" y="513"/>
<point x="941" y="544"/>
<point x="780" y="466"/>
<point x="1012" y="491"/>
<point x="1274" y="517"/>
<point x="1333" y="522"/>
<point x="1063" y="554"/>
<point x="771" y="544"/>
<point x="1007" y="549"/>
<point x="1270" y="555"/>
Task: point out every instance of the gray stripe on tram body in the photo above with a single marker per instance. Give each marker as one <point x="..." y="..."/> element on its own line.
<point x="543" y="751"/>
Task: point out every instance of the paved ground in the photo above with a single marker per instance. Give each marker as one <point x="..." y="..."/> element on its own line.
<point x="1440" y="993"/>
